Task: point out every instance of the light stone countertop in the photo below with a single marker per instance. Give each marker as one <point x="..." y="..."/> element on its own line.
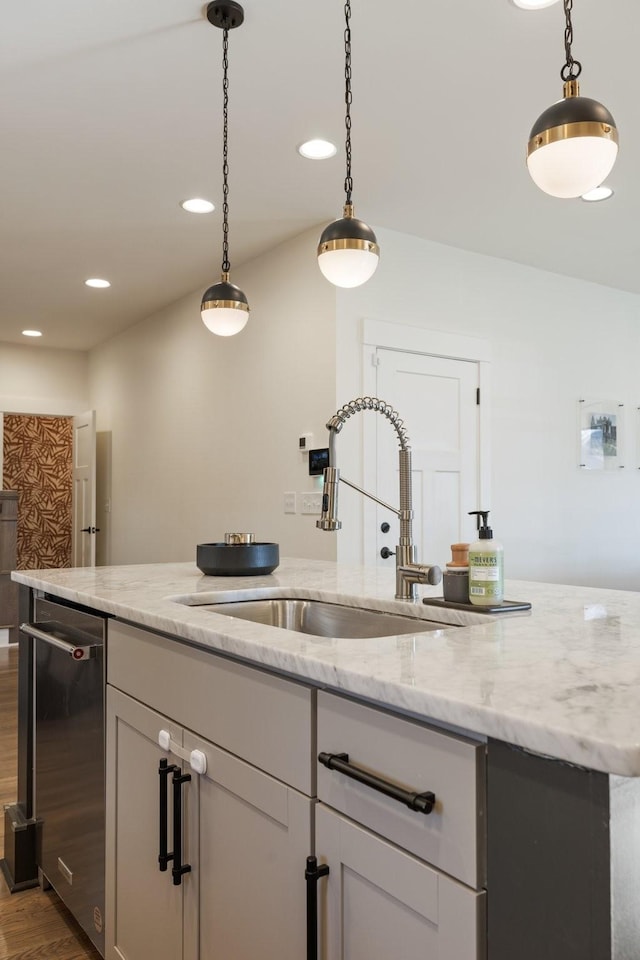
<point x="562" y="680"/>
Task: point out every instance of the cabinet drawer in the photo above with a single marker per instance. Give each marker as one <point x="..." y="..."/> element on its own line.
<point x="417" y="758"/>
<point x="266" y="720"/>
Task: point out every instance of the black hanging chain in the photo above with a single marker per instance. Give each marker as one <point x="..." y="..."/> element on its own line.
<point x="225" y="152"/>
<point x="348" y="182"/>
<point x="572" y="68"/>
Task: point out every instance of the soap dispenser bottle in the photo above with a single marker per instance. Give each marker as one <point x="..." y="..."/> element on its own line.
<point x="486" y="565"/>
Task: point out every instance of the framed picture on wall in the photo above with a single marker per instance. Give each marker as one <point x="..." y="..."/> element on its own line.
<point x="600" y="435"/>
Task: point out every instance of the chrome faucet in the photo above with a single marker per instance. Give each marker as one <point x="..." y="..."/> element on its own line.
<point x="408" y="572"/>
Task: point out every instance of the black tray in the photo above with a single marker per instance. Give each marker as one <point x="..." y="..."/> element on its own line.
<point x="507" y="606"/>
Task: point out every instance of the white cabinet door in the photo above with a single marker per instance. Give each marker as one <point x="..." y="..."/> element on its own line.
<point x="254" y="834"/>
<point x="380" y="902"/>
<point x="143" y="908"/>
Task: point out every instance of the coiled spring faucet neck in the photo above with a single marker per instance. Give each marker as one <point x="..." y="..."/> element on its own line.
<point x="341" y="416"/>
<point x="408" y="572"/>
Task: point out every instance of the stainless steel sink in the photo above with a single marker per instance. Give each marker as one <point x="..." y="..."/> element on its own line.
<point x="320" y="619"/>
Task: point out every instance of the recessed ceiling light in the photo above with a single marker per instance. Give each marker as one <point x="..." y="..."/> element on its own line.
<point x="31" y="333"/>
<point x="97" y="282"/>
<point x="598" y="193"/>
<point x="317" y="149"/>
<point x="197" y="205"/>
<point x="533" y="4"/>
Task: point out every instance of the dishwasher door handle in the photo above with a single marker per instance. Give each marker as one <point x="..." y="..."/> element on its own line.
<point x="75" y="651"/>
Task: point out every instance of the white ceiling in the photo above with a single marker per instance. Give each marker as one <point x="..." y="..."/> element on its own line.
<point x="111" y="114"/>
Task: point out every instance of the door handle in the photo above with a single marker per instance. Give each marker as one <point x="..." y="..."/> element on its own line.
<point x="312" y="874"/>
<point x="77" y="652"/>
<point x="90" y="530"/>
<point x="420" y="802"/>
<point x="179" y="868"/>
<point x="164" y="770"/>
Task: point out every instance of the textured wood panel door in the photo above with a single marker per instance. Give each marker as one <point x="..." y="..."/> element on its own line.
<point x="37" y="463"/>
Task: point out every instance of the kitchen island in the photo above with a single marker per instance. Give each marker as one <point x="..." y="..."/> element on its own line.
<point x="548" y="699"/>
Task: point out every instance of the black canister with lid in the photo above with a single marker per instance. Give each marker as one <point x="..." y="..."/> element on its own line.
<point x="455" y="580"/>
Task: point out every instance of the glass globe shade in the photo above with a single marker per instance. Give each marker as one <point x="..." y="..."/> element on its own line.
<point x="224" y="321"/>
<point x="348" y="268"/>
<point x="569" y="168"/>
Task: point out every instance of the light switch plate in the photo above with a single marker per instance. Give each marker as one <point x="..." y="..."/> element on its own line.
<point x="289" y="502"/>
<point x="311" y="503"/>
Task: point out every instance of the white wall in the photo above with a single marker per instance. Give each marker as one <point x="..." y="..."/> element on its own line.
<point x="34" y="379"/>
<point x="554" y="340"/>
<point x="203" y="430"/>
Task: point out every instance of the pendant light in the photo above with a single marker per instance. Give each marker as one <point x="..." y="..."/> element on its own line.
<point x="224" y="308"/>
<point x="348" y="251"/>
<point x="573" y="144"/>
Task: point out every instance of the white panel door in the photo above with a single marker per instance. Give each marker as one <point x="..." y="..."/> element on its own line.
<point x="379" y="902"/>
<point x="84" y="490"/>
<point x="437" y="398"/>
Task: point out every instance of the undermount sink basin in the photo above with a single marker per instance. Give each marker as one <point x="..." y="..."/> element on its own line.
<point x="320" y="619"/>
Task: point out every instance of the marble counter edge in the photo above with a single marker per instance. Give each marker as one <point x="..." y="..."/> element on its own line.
<point x="284" y="656"/>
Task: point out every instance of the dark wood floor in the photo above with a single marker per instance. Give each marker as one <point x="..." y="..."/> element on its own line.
<point x="33" y="925"/>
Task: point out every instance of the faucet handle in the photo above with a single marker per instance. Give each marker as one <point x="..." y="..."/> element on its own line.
<point x="410" y="574"/>
<point x="329" y="517"/>
<point x="434" y="575"/>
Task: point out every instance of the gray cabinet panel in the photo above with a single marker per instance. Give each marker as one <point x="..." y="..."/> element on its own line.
<point x="417" y="758"/>
<point x="262" y="718"/>
<point x="254" y="837"/>
<point x="379" y="902"/>
<point x="143" y="907"/>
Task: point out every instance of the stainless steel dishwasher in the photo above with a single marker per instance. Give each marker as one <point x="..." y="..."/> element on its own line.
<point x="69" y="758"/>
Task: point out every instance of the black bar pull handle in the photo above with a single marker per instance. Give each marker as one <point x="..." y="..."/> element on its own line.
<point x="420" y="802"/>
<point x="312" y="874"/>
<point x="179" y="868"/>
<point x="164" y="770"/>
